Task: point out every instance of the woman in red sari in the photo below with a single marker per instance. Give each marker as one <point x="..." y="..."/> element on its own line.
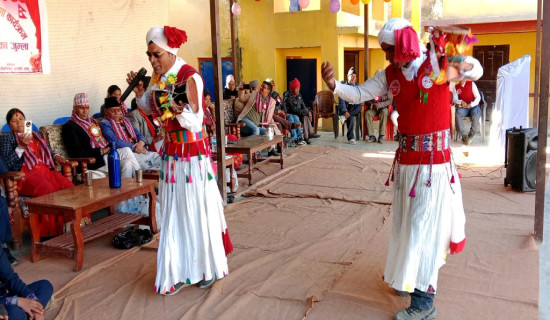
<point x="30" y="154"/>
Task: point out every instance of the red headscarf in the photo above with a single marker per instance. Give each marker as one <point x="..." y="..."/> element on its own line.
<point x="294" y="84"/>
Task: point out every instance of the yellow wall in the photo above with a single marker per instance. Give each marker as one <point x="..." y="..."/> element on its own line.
<point x="266" y="38"/>
<point x="488" y="8"/>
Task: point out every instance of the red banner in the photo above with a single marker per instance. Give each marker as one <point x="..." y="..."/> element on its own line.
<point x="22" y="44"/>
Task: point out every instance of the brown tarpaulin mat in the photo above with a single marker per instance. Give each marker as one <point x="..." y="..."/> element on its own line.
<point x="313" y="245"/>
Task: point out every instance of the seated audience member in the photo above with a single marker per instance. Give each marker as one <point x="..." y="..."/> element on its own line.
<point x="5" y="227"/>
<point x="114" y="91"/>
<point x="83" y="138"/>
<point x="230" y="91"/>
<point x="379" y="107"/>
<point x="258" y="109"/>
<point x="118" y="129"/>
<point x="20" y="300"/>
<point x="150" y="127"/>
<point x="29" y="153"/>
<point x="350" y="110"/>
<point x="279" y="116"/>
<point x="294" y="105"/>
<point x="466" y="97"/>
<point x="209" y="113"/>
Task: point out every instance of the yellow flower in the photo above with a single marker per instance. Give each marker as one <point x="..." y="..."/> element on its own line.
<point x="167" y="114"/>
<point x="171" y="79"/>
<point x="162" y="99"/>
<point x="162" y="85"/>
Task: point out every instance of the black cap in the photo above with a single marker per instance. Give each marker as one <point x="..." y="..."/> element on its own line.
<point x="111" y="102"/>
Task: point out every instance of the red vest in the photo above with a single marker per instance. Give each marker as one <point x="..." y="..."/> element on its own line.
<point x="187" y="143"/>
<point x="465" y="92"/>
<point x="417" y="117"/>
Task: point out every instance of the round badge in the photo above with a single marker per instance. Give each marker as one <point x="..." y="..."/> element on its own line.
<point x="394" y="87"/>
<point x="157" y="122"/>
<point x="425" y="83"/>
<point x="95" y="130"/>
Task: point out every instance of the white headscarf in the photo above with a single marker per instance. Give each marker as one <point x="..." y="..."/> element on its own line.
<point x="156" y="34"/>
<point x="387" y="35"/>
<point x="228" y="79"/>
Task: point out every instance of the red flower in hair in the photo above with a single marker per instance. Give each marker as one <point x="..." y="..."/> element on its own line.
<point x="175" y="36"/>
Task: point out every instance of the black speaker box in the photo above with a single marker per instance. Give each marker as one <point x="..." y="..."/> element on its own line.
<point x="520" y="159"/>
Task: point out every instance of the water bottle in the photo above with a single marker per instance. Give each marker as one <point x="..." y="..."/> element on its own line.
<point x="113" y="162"/>
<point x="214" y="143"/>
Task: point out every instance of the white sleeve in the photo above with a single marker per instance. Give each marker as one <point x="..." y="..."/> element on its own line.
<point x="368" y="90"/>
<point x="477" y="96"/>
<point x="143" y="102"/>
<point x="189" y="119"/>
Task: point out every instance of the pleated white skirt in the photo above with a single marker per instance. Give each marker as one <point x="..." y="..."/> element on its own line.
<point x="423" y="226"/>
<point x="192" y="222"/>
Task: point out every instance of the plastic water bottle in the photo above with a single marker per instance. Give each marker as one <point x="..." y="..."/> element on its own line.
<point x="113" y="162"/>
<point x="214" y="143"/>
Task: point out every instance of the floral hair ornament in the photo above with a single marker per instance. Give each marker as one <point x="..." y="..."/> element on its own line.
<point x="175" y="36"/>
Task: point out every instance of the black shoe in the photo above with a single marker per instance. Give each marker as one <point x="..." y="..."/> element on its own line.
<point x="307" y="141"/>
<point x="11" y="258"/>
<point x="273" y="152"/>
<point x="314" y="135"/>
<point x="286" y="140"/>
<point x="466" y="139"/>
<point x="372" y="139"/>
<point x="203" y="284"/>
<point x="177" y="287"/>
<point x="380" y="139"/>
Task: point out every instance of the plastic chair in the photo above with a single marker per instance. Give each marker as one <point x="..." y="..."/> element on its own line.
<point x="61" y="120"/>
<point x="323" y="107"/>
<point x="97" y="115"/>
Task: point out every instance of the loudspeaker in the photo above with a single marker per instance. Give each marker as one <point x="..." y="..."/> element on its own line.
<point x="520" y="159"/>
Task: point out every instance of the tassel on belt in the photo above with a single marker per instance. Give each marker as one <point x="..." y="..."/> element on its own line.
<point x="415" y="147"/>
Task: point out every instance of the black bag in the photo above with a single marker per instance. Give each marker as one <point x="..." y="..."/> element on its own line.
<point x="131" y="238"/>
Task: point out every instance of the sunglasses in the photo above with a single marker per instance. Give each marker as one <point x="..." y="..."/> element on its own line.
<point x="154" y="54"/>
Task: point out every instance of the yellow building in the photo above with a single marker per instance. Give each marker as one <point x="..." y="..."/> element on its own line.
<point x="505" y="32"/>
<point x="279" y="44"/>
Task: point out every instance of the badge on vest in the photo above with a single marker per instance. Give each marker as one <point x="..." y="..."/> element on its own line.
<point x="95" y="130"/>
<point x="426" y="85"/>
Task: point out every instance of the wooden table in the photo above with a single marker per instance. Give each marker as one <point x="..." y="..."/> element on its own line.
<point x="249" y="145"/>
<point x="75" y="203"/>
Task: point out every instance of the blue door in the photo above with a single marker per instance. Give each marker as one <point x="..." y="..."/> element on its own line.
<point x="208" y="74"/>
